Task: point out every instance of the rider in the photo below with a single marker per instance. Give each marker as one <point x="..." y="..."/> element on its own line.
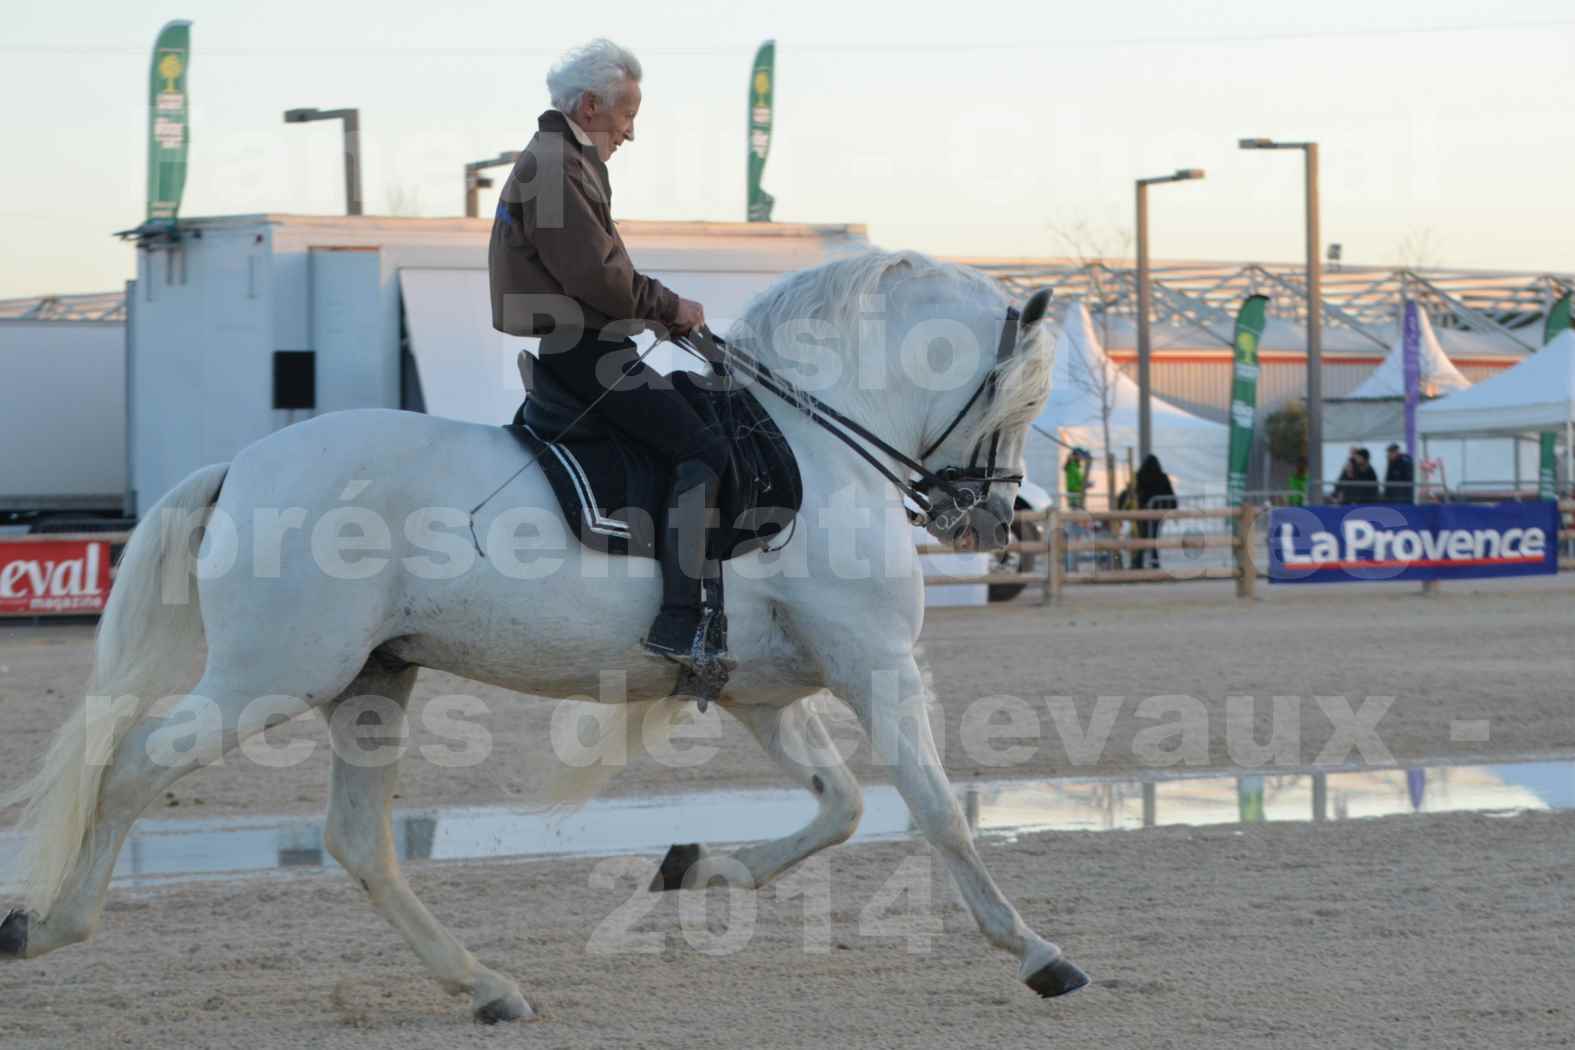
<point x="559" y="270"/>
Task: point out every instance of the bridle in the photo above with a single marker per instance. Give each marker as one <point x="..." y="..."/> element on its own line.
<point x="966" y="486"/>
<point x="964" y="495"/>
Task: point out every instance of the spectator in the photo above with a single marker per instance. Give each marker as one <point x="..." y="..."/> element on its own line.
<point x="1342" y="484"/>
<point x="1399" y="477"/>
<point x="1154" y="492"/>
<point x="1077" y="477"/>
<point x="1298" y="484"/>
<point x="1358" y="481"/>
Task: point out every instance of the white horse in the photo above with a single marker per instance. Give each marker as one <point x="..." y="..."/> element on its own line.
<point x="279" y="624"/>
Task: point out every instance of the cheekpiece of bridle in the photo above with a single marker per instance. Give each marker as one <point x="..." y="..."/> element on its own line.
<point x="969" y="486"/>
<point x="965" y="487"/>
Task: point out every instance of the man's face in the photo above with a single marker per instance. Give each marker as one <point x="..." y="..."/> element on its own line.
<point x="610" y="126"/>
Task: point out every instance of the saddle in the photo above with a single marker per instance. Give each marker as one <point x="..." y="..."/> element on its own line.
<point x="613" y="491"/>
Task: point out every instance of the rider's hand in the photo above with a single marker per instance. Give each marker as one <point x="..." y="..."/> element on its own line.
<point x="691" y="315"/>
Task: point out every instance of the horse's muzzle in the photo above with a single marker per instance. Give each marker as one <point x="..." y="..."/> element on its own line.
<point x="986" y="526"/>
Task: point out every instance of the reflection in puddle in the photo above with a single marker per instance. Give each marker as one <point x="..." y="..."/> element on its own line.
<point x="240" y="845"/>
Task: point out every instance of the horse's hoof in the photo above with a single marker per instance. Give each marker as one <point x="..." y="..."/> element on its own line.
<point x="13" y="935"/>
<point x="508" y="1008"/>
<point x="679" y="859"/>
<point x="1057" y="978"/>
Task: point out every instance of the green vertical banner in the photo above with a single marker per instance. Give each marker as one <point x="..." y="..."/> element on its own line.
<point x="762" y="91"/>
<point x="169" y="130"/>
<point x="1250" y="322"/>
<point x="1556" y="324"/>
<point x="1250" y="805"/>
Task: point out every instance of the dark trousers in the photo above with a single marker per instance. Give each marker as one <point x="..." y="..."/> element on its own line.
<point x="1146" y="530"/>
<point x="652" y="409"/>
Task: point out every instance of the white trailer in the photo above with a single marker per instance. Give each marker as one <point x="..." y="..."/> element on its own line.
<point x="250" y="323"/>
<point x="62" y="419"/>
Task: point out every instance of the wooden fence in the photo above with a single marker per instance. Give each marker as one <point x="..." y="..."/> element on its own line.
<point x="1566" y="532"/>
<point x="1056" y="545"/>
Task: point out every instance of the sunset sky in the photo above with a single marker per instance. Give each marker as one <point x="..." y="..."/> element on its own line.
<point x="974" y="129"/>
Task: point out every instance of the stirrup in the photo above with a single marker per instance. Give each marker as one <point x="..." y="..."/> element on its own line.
<point x="703" y="682"/>
<point x="703" y="668"/>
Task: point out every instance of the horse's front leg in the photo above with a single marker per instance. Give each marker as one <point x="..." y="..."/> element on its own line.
<point x="893" y="703"/>
<point x="797" y="739"/>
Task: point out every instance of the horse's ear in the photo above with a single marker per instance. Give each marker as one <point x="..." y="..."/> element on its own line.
<point x="1038" y="304"/>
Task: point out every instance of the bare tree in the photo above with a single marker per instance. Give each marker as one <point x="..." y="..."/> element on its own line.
<point x="1098" y="377"/>
<point x="1419" y="249"/>
<point x="1096" y="248"/>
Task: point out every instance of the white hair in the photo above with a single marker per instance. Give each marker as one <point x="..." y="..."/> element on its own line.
<point x="598" y="69"/>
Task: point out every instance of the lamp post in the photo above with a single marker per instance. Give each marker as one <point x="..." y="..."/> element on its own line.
<point x="1314" y="313"/>
<point x="352" y="131"/>
<point x="475" y="181"/>
<point x="1145" y="290"/>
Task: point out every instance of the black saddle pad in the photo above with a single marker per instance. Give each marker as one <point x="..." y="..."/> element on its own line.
<point x="613" y="490"/>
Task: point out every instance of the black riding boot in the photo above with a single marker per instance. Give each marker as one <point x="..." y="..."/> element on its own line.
<point x="691" y="628"/>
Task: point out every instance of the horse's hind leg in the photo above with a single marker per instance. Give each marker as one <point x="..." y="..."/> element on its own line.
<point x="218" y="714"/>
<point x="797" y="739"/>
<point x="360" y="836"/>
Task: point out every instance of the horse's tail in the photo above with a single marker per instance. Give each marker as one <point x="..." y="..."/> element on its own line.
<point x="144" y="647"/>
<point x="625" y="731"/>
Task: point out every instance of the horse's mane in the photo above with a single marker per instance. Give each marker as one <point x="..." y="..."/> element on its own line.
<point x="837" y="295"/>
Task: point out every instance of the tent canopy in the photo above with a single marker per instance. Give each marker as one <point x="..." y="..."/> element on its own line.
<point x="1375" y="410"/>
<point x="1537" y="394"/>
<point x="1438" y="375"/>
<point x="1192" y="450"/>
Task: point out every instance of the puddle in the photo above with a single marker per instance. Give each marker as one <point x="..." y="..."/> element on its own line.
<point x="228" y="847"/>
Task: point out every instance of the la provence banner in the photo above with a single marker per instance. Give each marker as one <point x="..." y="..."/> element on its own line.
<point x="1403" y="541"/>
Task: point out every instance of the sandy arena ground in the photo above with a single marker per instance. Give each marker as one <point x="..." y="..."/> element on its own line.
<point x="1434" y="931"/>
<point x="1448" y="931"/>
<point x="1497" y="651"/>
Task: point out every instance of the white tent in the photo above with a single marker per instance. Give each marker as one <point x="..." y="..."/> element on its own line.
<point x="1437" y="373"/>
<point x="1536" y="395"/>
<point x="1192" y="450"/>
<point x="1373" y="415"/>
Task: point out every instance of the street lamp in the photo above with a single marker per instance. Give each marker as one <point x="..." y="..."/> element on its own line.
<point x="352" y="123"/>
<point x="475" y="181"/>
<point x="1145" y="429"/>
<point x="1314" y="315"/>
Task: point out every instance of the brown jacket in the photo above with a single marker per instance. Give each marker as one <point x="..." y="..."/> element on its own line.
<point x="553" y="237"/>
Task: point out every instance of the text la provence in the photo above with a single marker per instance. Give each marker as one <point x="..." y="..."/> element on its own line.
<point x="1363" y="541"/>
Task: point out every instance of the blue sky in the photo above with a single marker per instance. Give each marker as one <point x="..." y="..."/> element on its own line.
<point x="963" y="129"/>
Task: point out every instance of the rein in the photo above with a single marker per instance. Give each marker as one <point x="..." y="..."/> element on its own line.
<point x="955" y="482"/>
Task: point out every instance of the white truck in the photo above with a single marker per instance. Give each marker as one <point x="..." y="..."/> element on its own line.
<point x="62" y="424"/>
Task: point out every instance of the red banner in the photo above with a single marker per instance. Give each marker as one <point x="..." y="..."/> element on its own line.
<point x="54" y="576"/>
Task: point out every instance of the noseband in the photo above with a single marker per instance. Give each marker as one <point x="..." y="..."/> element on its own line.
<point x="966" y="486"/>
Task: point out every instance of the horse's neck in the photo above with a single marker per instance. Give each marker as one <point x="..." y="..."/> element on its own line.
<point x="826" y="451"/>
